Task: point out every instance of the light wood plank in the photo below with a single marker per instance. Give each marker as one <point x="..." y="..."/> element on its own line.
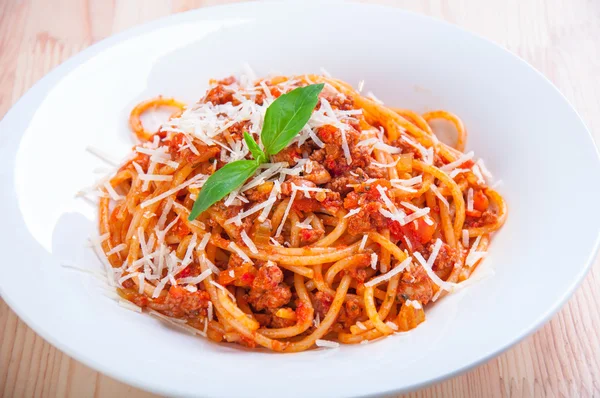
<point x="558" y="37"/>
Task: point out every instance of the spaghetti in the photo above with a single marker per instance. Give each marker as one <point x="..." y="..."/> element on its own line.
<point x="343" y="236"/>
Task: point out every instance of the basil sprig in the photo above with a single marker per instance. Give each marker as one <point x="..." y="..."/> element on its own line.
<point x="284" y="119"/>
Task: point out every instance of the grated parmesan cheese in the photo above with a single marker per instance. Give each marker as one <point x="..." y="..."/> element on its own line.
<point x="448" y="286"/>
<point x="240" y="252"/>
<point x="327" y="343"/>
<point x="155" y="177"/>
<point x="383" y="147"/>
<point x="286" y="212"/>
<point x="170" y="192"/>
<point x="130" y="306"/>
<point x="414" y="303"/>
<point x="273" y="195"/>
<point x="484" y="170"/>
<point x="100" y="154"/>
<point x="352" y="212"/>
<point x="462" y="159"/>
<point x="372" y="96"/>
<point x="439" y="195"/>
<point x="374" y="260"/>
<point x="392" y="326"/>
<point x="248" y="242"/>
<point x="470" y="199"/>
<point x="116" y="249"/>
<point x="363" y="243"/>
<point x="223" y="289"/>
<point x="306" y="223"/>
<point x="396" y="270"/>
<point x="237" y="220"/>
<point x="111" y="191"/>
<point x="456" y="172"/>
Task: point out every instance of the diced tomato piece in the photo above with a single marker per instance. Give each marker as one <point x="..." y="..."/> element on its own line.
<point x="328" y="133"/>
<point x="467" y="165"/>
<point x="275" y="92"/>
<point x="184" y="273"/>
<point x="181" y="229"/>
<point x="247" y="279"/>
<point x="424" y="231"/>
<point x="419" y="233"/>
<point x="306" y="204"/>
<point x="243" y="276"/>
<point x="176" y="292"/>
<point x="303" y="311"/>
<point x="473" y="213"/>
<point x="480" y="201"/>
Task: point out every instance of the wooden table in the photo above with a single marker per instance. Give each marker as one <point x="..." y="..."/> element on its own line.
<point x="558" y="37"/>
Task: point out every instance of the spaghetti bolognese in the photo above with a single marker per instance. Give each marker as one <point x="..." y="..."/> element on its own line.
<point x="342" y="234"/>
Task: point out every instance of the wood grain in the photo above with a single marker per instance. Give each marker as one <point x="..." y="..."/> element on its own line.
<point x="558" y="37"/>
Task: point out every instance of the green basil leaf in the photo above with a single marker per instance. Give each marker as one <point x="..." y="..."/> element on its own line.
<point x="287" y="115"/>
<point x="257" y="153"/>
<point x="223" y="181"/>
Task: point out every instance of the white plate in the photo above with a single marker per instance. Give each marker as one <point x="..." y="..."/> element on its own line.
<point x="518" y="122"/>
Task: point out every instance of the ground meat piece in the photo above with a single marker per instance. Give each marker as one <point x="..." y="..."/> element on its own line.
<point x="337" y="100"/>
<point x="290" y="155"/>
<point x="269" y="319"/>
<point x="340" y="184"/>
<point x="352" y="308"/>
<point x="375" y="172"/>
<point x="236" y="131"/>
<point x="445" y="260"/>
<point x="329" y="134"/>
<point x="227" y="81"/>
<point x="332" y="203"/>
<point x="334" y="159"/>
<point x="360" y="274"/>
<point x="255" y="195"/>
<point x="140" y="158"/>
<point x="238" y="273"/>
<point x="274" y="298"/>
<point x="180" y="229"/>
<point x="230" y="212"/>
<point x="488" y="217"/>
<point x="350" y="312"/>
<point x="358" y="271"/>
<point x="361" y="222"/>
<point x="263" y="319"/>
<point x="361" y="158"/>
<point x="406" y="148"/>
<point x="415" y="285"/>
<point x="180" y="302"/>
<point x="418" y="232"/>
<point x="193" y="269"/>
<point x="219" y="95"/>
<point x="318" y="174"/>
<point x="308" y="236"/>
<point x="318" y="155"/>
<point x="286" y="187"/>
<point x="367" y="198"/>
<point x="268" y="289"/>
<point x="205" y="152"/>
<point x="409" y="318"/>
<point x="277" y="322"/>
<point x="322" y="302"/>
